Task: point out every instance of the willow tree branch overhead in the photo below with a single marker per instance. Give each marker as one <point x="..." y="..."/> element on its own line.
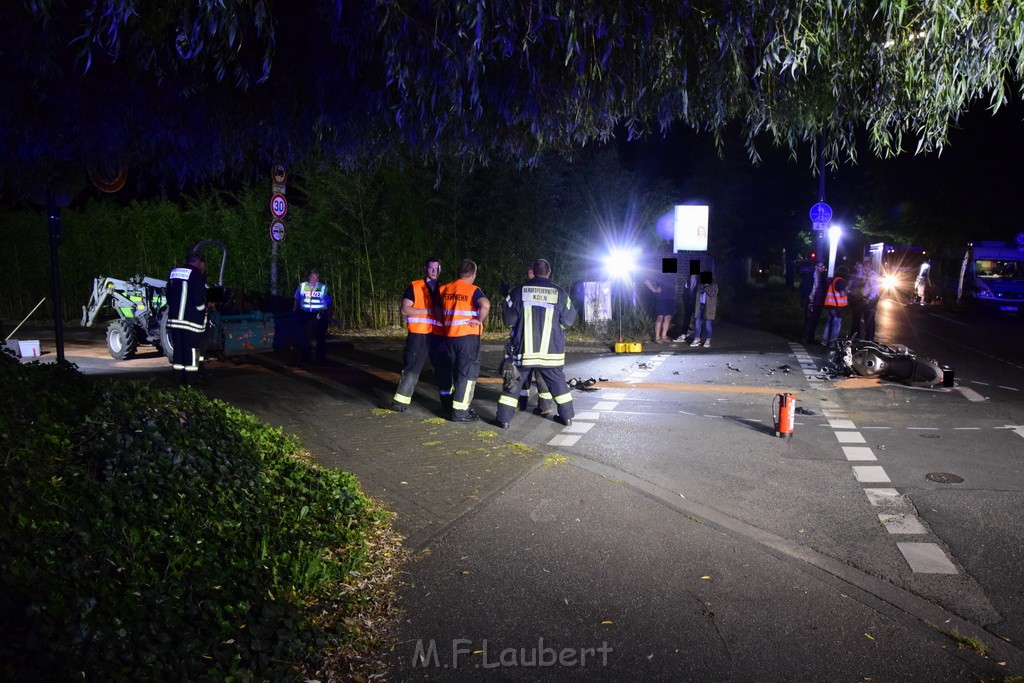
<point x="193" y="88"/>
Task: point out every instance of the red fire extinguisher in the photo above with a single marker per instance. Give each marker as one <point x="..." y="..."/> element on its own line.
<point x="784" y="412"/>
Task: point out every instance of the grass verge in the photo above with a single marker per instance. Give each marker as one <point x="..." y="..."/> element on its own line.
<point x="157" y="534"/>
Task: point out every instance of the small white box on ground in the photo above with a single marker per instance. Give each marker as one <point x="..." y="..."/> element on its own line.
<point x="29" y="348"/>
<point x="26" y="348"/>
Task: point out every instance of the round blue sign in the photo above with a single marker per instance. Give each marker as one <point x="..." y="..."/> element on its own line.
<point x="821" y="213"/>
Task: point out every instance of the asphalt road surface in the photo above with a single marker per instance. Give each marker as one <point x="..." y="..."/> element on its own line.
<point x="914" y="489"/>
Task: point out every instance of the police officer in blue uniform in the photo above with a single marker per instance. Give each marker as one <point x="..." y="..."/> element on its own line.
<point x="312" y="307"/>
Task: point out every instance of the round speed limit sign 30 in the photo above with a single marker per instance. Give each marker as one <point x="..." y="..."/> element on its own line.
<point x="279" y="206"/>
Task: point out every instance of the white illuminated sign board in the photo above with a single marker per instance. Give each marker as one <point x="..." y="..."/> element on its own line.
<point x="691" y="229"/>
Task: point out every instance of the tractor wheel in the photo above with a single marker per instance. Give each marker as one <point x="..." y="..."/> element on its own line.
<point x="165" y="338"/>
<point x="122" y="339"/>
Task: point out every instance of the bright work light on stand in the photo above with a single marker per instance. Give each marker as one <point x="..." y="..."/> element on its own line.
<point x="619" y="264"/>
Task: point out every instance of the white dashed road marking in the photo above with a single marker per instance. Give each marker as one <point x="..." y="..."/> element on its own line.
<point x="971" y="394"/>
<point x="858" y="453"/>
<point x="564" y="440"/>
<point x="578" y="428"/>
<point x="882" y="497"/>
<point x="1017" y="429"/>
<point x="850" y="437"/>
<point x="870" y="474"/>
<point x="902" y="524"/>
<point x="926" y="558"/>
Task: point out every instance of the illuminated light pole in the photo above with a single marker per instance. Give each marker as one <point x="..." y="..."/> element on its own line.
<point x="834" y="233"/>
<point x="619" y="264"/>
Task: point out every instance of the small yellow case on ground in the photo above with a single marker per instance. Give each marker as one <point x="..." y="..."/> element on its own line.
<point x="628" y="347"/>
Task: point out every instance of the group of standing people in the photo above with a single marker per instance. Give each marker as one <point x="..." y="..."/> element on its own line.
<point x="700" y="304"/>
<point x="844" y="295"/>
<point x="445" y="322"/>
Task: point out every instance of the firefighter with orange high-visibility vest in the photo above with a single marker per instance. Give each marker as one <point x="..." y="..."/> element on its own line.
<point x="465" y="308"/>
<point x="421" y="307"/>
<point x="835" y="305"/>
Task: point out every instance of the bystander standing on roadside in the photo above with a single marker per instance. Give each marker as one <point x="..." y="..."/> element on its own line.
<point x="923" y="283"/>
<point x="873" y="293"/>
<point x="663" y="287"/>
<point x="812" y="296"/>
<point x="465" y="308"/>
<point x="856" y="293"/>
<point x="689" y="290"/>
<point x="312" y="306"/>
<point x="836" y="304"/>
<point x="421" y="307"/>
<point x="705" y="309"/>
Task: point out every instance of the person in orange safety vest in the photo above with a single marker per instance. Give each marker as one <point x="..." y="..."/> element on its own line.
<point x="421" y="306"/>
<point x="464" y="308"/>
<point x="835" y="305"/>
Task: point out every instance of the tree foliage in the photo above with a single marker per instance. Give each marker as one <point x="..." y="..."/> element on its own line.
<point x="188" y="89"/>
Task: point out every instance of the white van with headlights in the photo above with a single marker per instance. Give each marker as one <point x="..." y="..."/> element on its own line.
<point x="990" y="277"/>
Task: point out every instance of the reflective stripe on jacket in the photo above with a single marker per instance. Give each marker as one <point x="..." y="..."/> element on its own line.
<point x="186" y="300"/>
<point x="834" y="298"/>
<point x="539" y="312"/>
<point x="423" y="298"/>
<point x="313" y="298"/>
<point x="459" y="311"/>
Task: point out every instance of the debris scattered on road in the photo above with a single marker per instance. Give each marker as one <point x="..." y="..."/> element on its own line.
<point x="729" y="365"/>
<point x="800" y="410"/>
<point x="784" y="368"/>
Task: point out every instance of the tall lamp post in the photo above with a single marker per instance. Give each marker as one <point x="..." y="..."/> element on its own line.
<point x="619" y="264"/>
<point x="834" y="233"/>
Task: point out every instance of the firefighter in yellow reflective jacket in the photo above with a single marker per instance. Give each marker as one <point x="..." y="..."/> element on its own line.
<point x="421" y="306"/>
<point x="539" y="312"/>
<point x="465" y="309"/>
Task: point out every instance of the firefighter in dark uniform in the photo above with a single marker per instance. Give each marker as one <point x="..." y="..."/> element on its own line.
<point x="187" y="316"/>
<point x="312" y="306"/>
<point x="545" y="402"/>
<point x="465" y="308"/>
<point x="421" y="306"/>
<point x="539" y="312"/>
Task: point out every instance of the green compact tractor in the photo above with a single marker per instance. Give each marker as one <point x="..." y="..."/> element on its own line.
<point x="141" y="307"/>
<point x="140" y="304"/>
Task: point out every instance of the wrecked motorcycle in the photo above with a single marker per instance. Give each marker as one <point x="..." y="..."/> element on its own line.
<point x="851" y="356"/>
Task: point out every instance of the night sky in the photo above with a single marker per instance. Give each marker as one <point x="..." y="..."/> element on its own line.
<point x="970" y="192"/>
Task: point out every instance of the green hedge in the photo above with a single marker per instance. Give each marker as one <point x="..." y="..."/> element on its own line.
<point x="157" y="534"/>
